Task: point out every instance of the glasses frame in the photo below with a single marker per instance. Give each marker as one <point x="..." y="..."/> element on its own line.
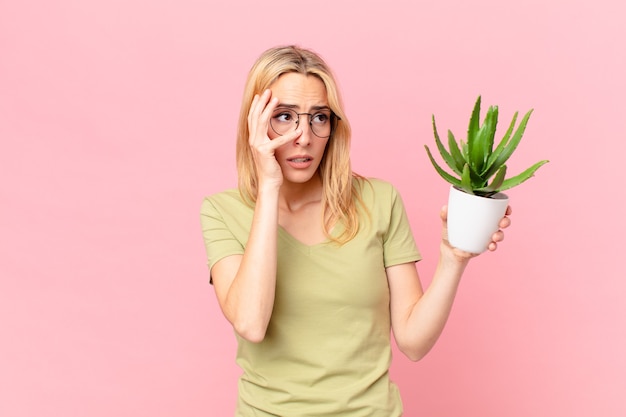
<point x="333" y="121"/>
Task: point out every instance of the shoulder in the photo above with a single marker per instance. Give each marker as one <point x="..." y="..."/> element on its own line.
<point x="226" y="215"/>
<point x="226" y="203"/>
<point x="225" y="198"/>
<point x="375" y="189"/>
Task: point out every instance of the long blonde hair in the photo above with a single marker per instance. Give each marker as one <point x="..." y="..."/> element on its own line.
<point x="339" y="192"/>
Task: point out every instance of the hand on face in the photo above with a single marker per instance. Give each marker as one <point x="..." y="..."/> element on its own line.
<point x="264" y="148"/>
<point x="495" y="238"/>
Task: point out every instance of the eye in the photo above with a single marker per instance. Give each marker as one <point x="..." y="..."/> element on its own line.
<point x="320" y="118"/>
<point x="283" y="116"/>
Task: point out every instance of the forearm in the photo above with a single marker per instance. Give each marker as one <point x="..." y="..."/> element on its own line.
<point x="250" y="298"/>
<point x="430" y="313"/>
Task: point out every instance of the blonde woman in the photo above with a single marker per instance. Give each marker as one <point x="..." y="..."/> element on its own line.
<point x="313" y="265"/>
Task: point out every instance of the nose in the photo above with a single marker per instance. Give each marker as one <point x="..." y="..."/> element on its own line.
<point x="305" y="138"/>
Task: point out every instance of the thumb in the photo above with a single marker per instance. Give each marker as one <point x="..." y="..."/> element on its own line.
<point x="444" y="214"/>
<point x="287" y="137"/>
<point x="444" y="223"/>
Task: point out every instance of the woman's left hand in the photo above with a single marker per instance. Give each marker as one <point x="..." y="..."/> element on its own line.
<point x="495" y="238"/>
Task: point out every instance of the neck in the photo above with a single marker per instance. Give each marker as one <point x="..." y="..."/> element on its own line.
<point x="294" y="196"/>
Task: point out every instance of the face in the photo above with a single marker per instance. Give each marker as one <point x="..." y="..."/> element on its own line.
<point x="300" y="159"/>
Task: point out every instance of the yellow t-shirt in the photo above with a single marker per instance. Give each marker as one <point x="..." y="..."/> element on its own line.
<point x="327" y="348"/>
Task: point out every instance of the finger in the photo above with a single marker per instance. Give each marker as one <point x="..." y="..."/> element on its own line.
<point x="498" y="236"/>
<point x="504" y="223"/>
<point x="269" y="106"/>
<point x="266" y="114"/>
<point x="492" y="246"/>
<point x="253" y="106"/>
<point x="258" y="117"/>
<point x="444" y="213"/>
<point x="252" y="114"/>
<point x="259" y="102"/>
<point x="286" y="138"/>
<point x="509" y="210"/>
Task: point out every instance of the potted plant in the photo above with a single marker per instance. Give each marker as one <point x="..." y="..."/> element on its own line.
<point x="476" y="202"/>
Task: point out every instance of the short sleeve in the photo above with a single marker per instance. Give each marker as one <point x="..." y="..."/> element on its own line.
<point x="398" y="241"/>
<point x="219" y="239"/>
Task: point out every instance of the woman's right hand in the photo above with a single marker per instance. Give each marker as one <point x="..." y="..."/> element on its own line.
<point x="263" y="148"/>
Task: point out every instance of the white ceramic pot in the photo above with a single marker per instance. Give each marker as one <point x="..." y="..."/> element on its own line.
<point x="472" y="220"/>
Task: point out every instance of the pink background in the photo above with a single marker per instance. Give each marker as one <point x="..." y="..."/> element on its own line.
<point x="118" y="116"/>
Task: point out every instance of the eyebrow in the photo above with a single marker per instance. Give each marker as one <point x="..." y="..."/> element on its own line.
<point x="296" y="107"/>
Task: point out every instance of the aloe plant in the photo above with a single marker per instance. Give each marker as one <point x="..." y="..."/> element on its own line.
<point x="475" y="161"/>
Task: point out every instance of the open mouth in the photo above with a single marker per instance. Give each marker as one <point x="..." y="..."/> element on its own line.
<point x="300" y="160"/>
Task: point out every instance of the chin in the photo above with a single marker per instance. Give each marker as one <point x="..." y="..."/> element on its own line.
<point x="299" y="178"/>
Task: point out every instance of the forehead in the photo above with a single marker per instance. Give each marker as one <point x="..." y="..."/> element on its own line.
<point x="299" y="89"/>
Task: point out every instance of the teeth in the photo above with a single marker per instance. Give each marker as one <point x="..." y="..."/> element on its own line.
<point x="300" y="159"/>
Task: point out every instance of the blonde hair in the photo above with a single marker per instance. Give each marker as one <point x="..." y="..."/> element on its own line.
<point x="339" y="192"/>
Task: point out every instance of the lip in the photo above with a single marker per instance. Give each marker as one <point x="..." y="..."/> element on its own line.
<point x="300" y="161"/>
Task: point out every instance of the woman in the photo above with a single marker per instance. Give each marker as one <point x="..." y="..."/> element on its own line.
<point x="313" y="265"/>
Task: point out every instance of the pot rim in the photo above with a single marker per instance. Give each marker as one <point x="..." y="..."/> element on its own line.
<point x="497" y="196"/>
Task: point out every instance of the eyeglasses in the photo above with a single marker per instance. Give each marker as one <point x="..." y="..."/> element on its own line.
<point x="286" y="120"/>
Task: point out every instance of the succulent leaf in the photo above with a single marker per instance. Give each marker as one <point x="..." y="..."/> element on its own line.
<point x="464" y="150"/>
<point x="466" y="182"/>
<point x="456" y="153"/>
<point x="446" y="176"/>
<point x="496" y="183"/>
<point x="448" y="159"/>
<point x="520" y="178"/>
<point x="482" y="144"/>
<point x="474" y="147"/>
<point x="510" y="147"/>
<point x="474" y="122"/>
<point x="491" y="123"/>
<point x="491" y="167"/>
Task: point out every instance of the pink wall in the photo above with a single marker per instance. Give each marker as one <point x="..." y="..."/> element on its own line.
<point x="116" y="117"/>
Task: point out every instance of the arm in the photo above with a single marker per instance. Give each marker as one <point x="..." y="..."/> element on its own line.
<point x="245" y="284"/>
<point x="418" y="317"/>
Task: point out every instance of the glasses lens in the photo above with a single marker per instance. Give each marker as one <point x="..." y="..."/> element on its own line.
<point x="320" y="124"/>
<point x="285" y="120"/>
